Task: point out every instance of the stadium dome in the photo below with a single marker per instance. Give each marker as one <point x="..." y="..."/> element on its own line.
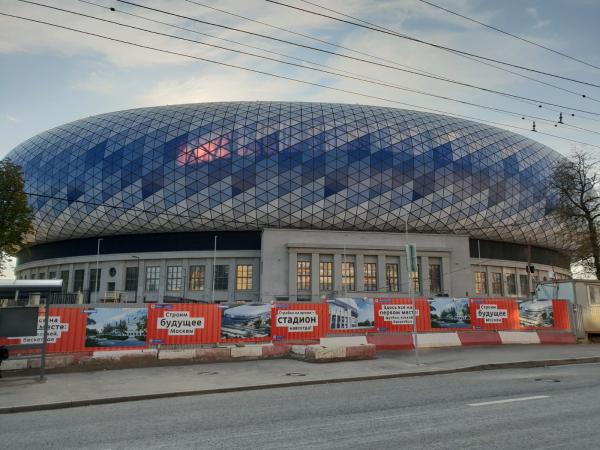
<point x="255" y="165"/>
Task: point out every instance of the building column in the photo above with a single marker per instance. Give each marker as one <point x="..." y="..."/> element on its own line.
<point x="337" y="273"/>
<point x="359" y="268"/>
<point x="314" y="278"/>
<point x="381" y="278"/>
<point x="293" y="279"/>
<point x="446" y="276"/>
<point x="404" y="278"/>
<point x="425" y="281"/>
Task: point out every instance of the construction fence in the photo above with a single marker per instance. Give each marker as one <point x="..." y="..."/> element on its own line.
<point x="74" y="328"/>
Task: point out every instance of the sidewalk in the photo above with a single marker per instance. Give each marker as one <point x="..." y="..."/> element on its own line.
<point x="111" y="386"/>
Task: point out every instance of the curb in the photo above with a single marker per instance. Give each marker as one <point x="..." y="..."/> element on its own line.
<point x="134" y="398"/>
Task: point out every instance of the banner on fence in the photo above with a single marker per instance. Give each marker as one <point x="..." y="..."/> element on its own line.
<point x="116" y="327"/>
<point x="536" y="314"/>
<point x="396" y="314"/>
<point x="66" y="331"/>
<point x="246" y="322"/>
<point x="494" y="314"/>
<point x="299" y="321"/>
<point x="450" y="312"/>
<point x="351" y="314"/>
<point x="181" y="324"/>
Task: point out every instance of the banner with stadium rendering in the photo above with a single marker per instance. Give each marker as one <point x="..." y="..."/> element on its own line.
<point x="245" y="322"/>
<point x="299" y="321"/>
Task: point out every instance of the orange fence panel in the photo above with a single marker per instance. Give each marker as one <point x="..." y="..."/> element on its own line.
<point x="396" y="314"/>
<point x="494" y="314"/>
<point x="561" y="314"/>
<point x="183" y="324"/>
<point x="299" y="321"/>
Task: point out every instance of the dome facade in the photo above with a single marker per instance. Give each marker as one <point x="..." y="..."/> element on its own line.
<point x="255" y="165"/>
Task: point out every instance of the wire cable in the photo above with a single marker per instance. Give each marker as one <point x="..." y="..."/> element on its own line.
<point x="488" y="90"/>
<point x="499" y="30"/>
<point x="503" y="69"/>
<point x="479" y="61"/>
<point x="310" y="83"/>
<point x="431" y="44"/>
<point x="329" y="72"/>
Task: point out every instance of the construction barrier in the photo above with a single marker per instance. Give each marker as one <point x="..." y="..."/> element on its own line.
<point x="384" y="321"/>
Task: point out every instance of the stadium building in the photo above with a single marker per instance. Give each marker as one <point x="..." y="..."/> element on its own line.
<point x="263" y="201"/>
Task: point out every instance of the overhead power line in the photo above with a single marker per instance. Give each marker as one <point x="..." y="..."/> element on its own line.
<point x="352" y="75"/>
<point x="333" y="44"/>
<point x="370" y="55"/>
<point x="447" y="80"/>
<point x="383" y="30"/>
<point x="310" y="83"/>
<point x="499" y="30"/>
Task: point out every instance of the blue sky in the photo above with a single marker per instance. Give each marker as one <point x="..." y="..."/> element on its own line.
<point x="49" y="76"/>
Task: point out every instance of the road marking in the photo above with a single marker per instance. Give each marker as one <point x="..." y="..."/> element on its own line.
<point x="509" y="400"/>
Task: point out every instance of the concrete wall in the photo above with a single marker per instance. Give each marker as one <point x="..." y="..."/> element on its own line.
<point x="160" y="259"/>
<point x="281" y="250"/>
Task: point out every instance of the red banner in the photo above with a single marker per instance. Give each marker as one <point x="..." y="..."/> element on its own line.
<point x="299" y="321"/>
<point x="173" y="324"/>
<point x="494" y="314"/>
<point x="561" y="314"/>
<point x="66" y="331"/>
<point x="396" y="314"/>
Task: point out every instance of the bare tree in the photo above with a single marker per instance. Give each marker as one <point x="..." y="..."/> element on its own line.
<point x="577" y="182"/>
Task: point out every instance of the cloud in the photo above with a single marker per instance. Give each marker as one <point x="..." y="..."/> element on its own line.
<point x="97" y="83"/>
<point x="12" y="119"/>
<point x="535" y="15"/>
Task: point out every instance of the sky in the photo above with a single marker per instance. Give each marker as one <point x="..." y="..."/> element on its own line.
<point x="51" y="76"/>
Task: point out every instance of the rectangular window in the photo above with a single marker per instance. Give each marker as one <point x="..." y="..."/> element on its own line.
<point x="110" y="286"/>
<point x="416" y="277"/>
<point x="303" y="275"/>
<point x="52" y="275"/>
<point x="481" y="283"/>
<point x="42" y="275"/>
<point x="131" y="279"/>
<point x="33" y="276"/>
<point x="524" y="282"/>
<point x="511" y="284"/>
<point x="243" y="277"/>
<point x="152" y="278"/>
<point x="496" y="283"/>
<point x="348" y="277"/>
<point x="94" y="285"/>
<point x="594" y="294"/>
<point x="174" y="278"/>
<point x="78" y="280"/>
<point x="370" y="276"/>
<point x="197" y="277"/>
<point x="64" y="276"/>
<point x="221" y="277"/>
<point x="325" y="276"/>
<point x="391" y="277"/>
<point x="435" y="278"/>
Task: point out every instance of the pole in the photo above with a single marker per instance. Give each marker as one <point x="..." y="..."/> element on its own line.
<point x="45" y="338"/>
<point x="214" y="266"/>
<point x="412" y="295"/>
<point x="97" y="268"/>
<point x="529" y="294"/>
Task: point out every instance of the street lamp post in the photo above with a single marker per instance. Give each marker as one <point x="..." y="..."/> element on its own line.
<point x="97" y="268"/>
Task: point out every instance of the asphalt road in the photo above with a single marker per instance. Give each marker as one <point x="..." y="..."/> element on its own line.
<point x="431" y="412"/>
